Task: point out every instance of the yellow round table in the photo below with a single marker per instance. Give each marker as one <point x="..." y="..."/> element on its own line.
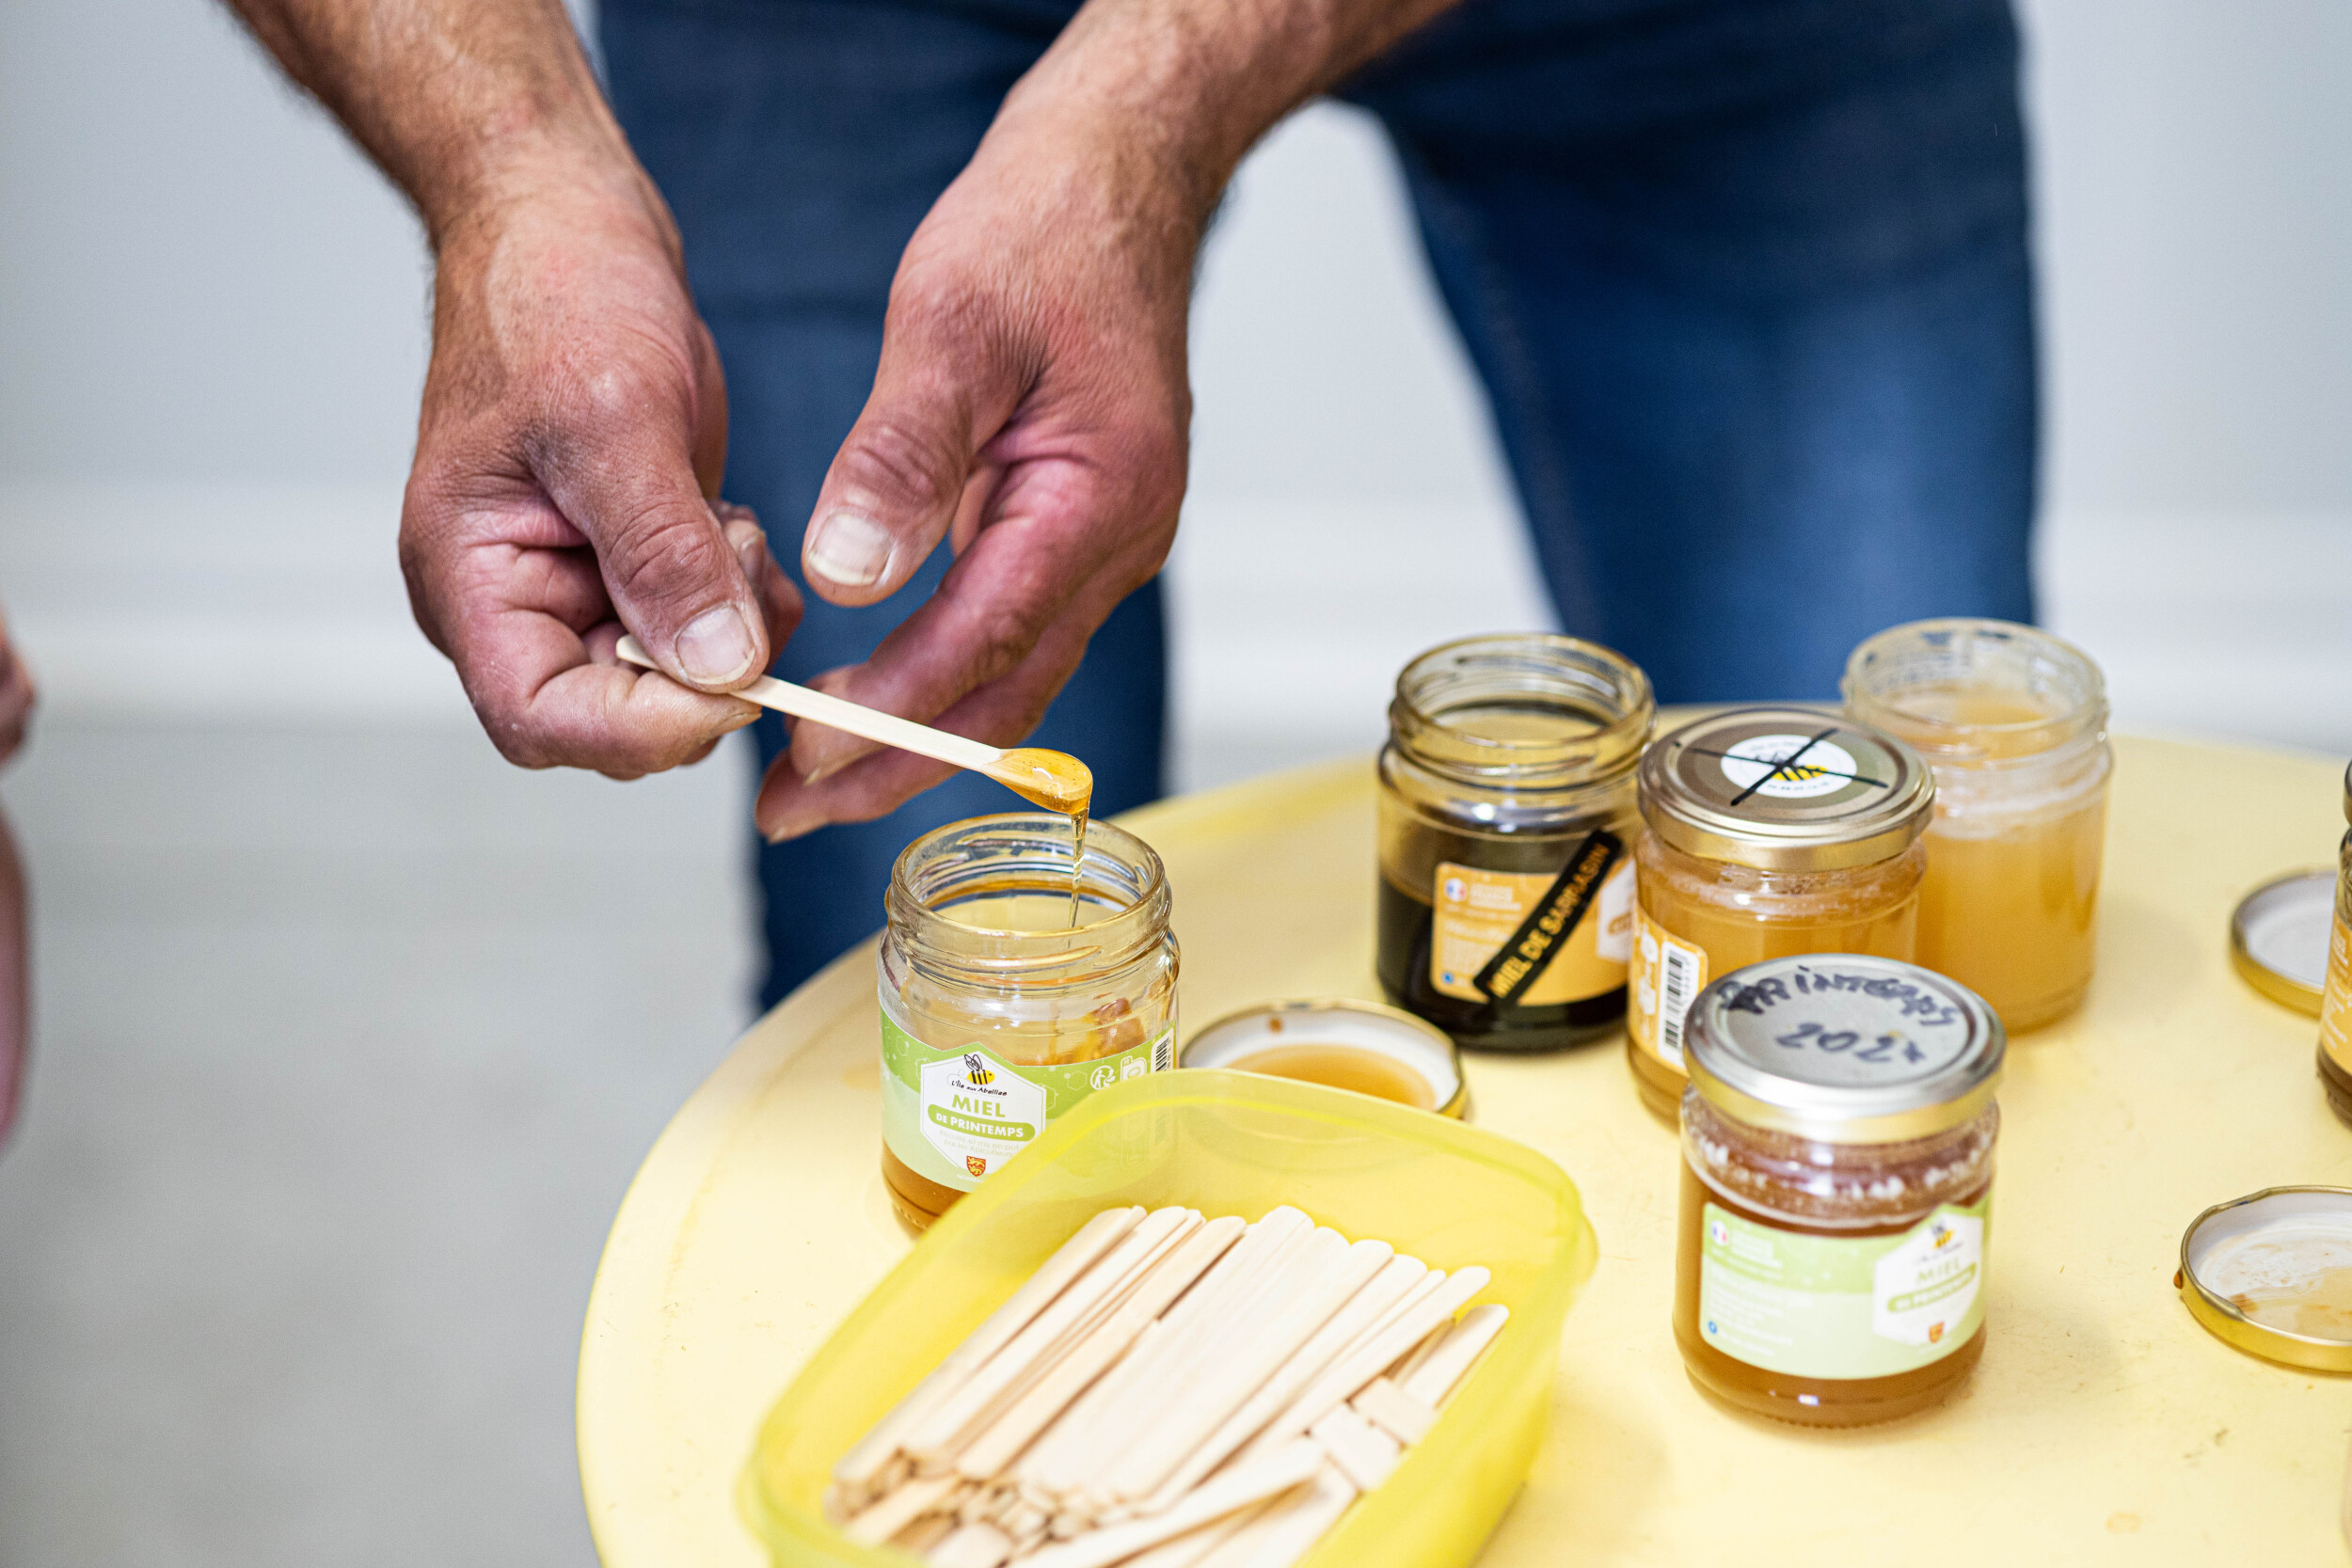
<point x="2102" y="1425"/>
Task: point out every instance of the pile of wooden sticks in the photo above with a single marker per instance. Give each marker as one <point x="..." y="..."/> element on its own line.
<point x="1169" y="1391"/>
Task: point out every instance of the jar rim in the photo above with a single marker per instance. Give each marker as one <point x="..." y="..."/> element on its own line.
<point x="1595" y="683"/>
<point x="1885" y="664"/>
<point x="1027" y="846"/>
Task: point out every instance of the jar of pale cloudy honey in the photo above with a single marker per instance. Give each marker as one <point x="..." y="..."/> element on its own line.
<point x="1506" y="815"/>
<point x="1837" y="1142"/>
<point x="2335" y="1005"/>
<point x="2014" y="721"/>
<point x="1769" y="831"/>
<point x="1014" y="982"/>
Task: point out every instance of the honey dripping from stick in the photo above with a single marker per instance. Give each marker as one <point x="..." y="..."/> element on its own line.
<point x="1058" y="781"/>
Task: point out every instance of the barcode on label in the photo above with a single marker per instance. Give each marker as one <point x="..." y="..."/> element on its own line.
<point x="1164" y="1054"/>
<point x="1677" y="981"/>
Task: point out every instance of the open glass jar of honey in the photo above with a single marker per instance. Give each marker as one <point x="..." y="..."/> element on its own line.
<point x="2014" y="721"/>
<point x="1014" y="983"/>
<point x="1506" y="808"/>
<point x="2335" y="1001"/>
<point x="1768" y="832"/>
<point x="1837" y="1142"/>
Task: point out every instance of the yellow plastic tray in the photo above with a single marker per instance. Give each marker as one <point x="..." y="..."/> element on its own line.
<point x="1225" y="1143"/>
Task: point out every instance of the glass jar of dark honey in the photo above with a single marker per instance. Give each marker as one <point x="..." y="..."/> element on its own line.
<point x="1506" y="822"/>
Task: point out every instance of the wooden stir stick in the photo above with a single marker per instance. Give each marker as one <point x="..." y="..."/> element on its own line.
<point x="1054" y="780"/>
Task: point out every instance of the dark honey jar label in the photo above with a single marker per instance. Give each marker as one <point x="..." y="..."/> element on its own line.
<point x="1535" y="939"/>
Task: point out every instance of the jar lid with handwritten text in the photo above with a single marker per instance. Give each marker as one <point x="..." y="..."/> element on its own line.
<point x="1844" y="1048"/>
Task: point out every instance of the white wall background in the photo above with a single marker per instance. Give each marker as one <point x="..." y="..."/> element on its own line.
<point x="211" y="331"/>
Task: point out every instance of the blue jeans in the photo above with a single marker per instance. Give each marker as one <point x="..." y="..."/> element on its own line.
<point x="1746" y="281"/>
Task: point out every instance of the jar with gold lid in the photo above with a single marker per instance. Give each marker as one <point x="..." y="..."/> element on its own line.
<point x="1838" y="1141"/>
<point x="1014" y="982"/>
<point x="2013" y="722"/>
<point x="2335" y="1003"/>
<point x="1507" y="813"/>
<point x="1767" y="831"/>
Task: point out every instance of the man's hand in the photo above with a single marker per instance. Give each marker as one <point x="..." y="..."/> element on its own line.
<point x="573" y="421"/>
<point x="1032" y="403"/>
<point x="1032" y="407"/>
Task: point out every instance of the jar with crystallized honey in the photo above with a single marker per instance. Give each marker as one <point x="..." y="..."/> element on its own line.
<point x="1507" y="816"/>
<point x="1021" y="972"/>
<point x="1838" y="1141"/>
<point x="1768" y="832"/>
<point x="2013" y="722"/>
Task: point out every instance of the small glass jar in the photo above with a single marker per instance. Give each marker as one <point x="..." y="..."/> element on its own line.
<point x="1837" y="1142"/>
<point x="1011" y="990"/>
<point x="1770" y="831"/>
<point x="1506" y="807"/>
<point x="2335" y="1003"/>
<point x="2013" y="722"/>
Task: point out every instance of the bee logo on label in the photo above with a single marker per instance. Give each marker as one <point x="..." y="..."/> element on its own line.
<point x="975" y="1070"/>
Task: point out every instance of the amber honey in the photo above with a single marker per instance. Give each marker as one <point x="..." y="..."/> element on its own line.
<point x="2012" y="721"/>
<point x="1341" y="1066"/>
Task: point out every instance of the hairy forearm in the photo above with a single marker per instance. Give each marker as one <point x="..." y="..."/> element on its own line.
<point x="1186" y="87"/>
<point x="465" y="103"/>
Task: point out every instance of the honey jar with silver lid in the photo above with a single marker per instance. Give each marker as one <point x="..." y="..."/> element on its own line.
<point x="1838" y="1141"/>
<point x="1767" y="831"/>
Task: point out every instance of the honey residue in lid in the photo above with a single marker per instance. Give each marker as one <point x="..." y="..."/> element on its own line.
<point x="2293" y="1273"/>
<point x="1054" y="780"/>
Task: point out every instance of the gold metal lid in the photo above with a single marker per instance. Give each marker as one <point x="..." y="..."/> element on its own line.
<point x="2279" y="938"/>
<point x="1844" y="1048"/>
<point x="2213" y="1252"/>
<point x="1418" y="1047"/>
<point x="2348" y="792"/>
<point x="1785" y="789"/>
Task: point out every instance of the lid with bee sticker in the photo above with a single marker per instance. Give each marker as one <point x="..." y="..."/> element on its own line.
<point x="1785" y="789"/>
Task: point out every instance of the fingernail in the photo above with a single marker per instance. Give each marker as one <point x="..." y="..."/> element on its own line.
<point x="750" y="553"/>
<point x="793" y="826"/>
<point x="849" y="547"/>
<point x="716" y="647"/>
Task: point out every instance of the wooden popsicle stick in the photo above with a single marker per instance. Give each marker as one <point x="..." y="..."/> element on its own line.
<point x="863" y="1463"/>
<point x="1190" y="1368"/>
<point x="935" y="1439"/>
<point x="1090" y="1434"/>
<point x="1396" y="1279"/>
<point x="925" y="1534"/>
<point x="980" y="1545"/>
<point x="1291" y="1528"/>
<point x="1364" y="1453"/>
<point x="840" y="714"/>
<point x="902" y="1507"/>
<point x="1226" y="1384"/>
<point x="1005" y="1437"/>
<point x="1191" y="1548"/>
<point x="1435" y="1379"/>
<point x="1394" y="1411"/>
<point x="1242" y="1486"/>
<point x="1072" y="1336"/>
<point x="1370" y="1358"/>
